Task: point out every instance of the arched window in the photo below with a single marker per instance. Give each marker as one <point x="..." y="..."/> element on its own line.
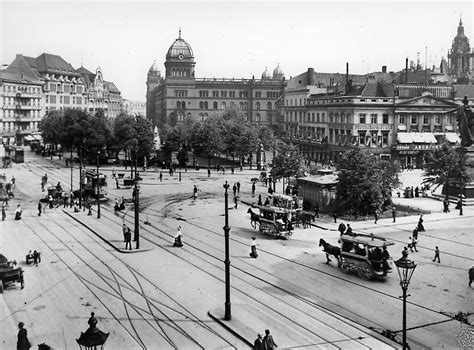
<point x="241" y="105"/>
<point x="269" y="105"/>
<point x="257" y="105"/>
<point x="223" y="105"/>
<point x="215" y="105"/>
<point x="257" y="117"/>
<point x="178" y="104"/>
<point x="200" y="117"/>
<point x="205" y="105"/>
<point x="246" y="117"/>
<point x="183" y="104"/>
<point x="188" y="116"/>
<point x="205" y="116"/>
<point x="201" y="105"/>
<point x="245" y="105"/>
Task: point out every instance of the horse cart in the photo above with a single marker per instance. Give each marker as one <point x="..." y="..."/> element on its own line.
<point x="365" y="254"/>
<point x="9" y="273"/>
<point x="276" y="222"/>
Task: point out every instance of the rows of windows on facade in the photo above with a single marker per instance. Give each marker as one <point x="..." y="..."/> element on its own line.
<point x="31" y="87"/>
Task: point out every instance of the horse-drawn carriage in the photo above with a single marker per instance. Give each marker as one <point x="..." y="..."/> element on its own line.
<point x="365" y="254"/>
<point x="279" y="216"/>
<point x="9" y="273"/>
<point x="56" y="193"/>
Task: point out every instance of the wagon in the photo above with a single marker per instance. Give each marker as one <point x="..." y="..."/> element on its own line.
<point x="9" y="273"/>
<point x="366" y="255"/>
<point x="277" y="222"/>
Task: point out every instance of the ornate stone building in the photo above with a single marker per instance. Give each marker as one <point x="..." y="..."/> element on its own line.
<point x="179" y="95"/>
<point x="461" y="58"/>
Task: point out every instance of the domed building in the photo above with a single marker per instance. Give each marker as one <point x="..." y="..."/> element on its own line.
<point x="179" y="95"/>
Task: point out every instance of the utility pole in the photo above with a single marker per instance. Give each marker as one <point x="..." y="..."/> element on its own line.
<point x="136" y="204"/>
<point x="227" y="315"/>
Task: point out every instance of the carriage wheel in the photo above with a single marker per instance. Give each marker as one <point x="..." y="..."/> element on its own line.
<point x="345" y="268"/>
<point x="365" y="272"/>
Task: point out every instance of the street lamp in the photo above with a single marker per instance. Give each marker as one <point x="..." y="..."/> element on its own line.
<point x="137" y="203"/>
<point x="227" y="315"/>
<point x="98" y="186"/>
<point x="405" y="268"/>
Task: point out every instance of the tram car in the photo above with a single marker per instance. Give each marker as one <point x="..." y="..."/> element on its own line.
<point x="279" y="216"/>
<point x="90" y="187"/>
<point x="9" y="273"/>
<point x="366" y="255"/>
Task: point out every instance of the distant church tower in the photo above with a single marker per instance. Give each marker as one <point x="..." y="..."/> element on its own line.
<point x="152" y="81"/>
<point x="460" y="57"/>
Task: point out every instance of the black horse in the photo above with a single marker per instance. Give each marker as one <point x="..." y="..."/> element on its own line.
<point x="254" y="218"/>
<point x="330" y="250"/>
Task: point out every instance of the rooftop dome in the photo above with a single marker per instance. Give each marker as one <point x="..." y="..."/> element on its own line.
<point x="153" y="68"/>
<point x="180" y="49"/>
<point x="266" y="74"/>
<point x="277" y="72"/>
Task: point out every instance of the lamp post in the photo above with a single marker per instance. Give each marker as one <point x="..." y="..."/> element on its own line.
<point x="405" y="268"/>
<point x="136" y="204"/>
<point x="227" y="315"/>
<point x="98" y="186"/>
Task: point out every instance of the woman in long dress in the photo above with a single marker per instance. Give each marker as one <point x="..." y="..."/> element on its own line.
<point x="253" y="248"/>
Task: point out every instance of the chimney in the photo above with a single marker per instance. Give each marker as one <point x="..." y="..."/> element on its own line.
<point x="406" y="70"/>
<point x="310" y="76"/>
<point x="384" y="69"/>
<point x="348" y="82"/>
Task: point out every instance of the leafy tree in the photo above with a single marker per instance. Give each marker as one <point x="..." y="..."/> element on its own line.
<point x="288" y="161"/>
<point x="133" y="133"/>
<point x="445" y="166"/>
<point x="208" y="137"/>
<point x="52" y="127"/>
<point x="364" y="183"/>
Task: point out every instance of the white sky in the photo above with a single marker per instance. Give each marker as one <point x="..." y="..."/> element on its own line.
<point x="232" y="38"/>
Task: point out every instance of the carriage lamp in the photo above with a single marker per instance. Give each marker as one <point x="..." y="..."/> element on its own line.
<point x="405" y="268"/>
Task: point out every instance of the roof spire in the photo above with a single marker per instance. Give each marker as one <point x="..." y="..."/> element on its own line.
<point x="179" y="33"/>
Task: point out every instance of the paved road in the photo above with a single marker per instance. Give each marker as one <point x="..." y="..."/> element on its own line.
<point x="159" y="298"/>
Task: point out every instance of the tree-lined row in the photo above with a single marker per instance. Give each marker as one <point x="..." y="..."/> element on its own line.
<point x="77" y="130"/>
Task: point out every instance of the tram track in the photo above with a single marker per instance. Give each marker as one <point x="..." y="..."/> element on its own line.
<point x="119" y="294"/>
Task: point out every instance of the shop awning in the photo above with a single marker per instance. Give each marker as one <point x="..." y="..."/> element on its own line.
<point x="29" y="138"/>
<point x="401" y="127"/>
<point x="452" y="137"/>
<point x="404" y="137"/>
<point x="423" y="137"/>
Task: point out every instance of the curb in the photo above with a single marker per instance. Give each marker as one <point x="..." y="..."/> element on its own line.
<point x="105" y="240"/>
<point x="230" y="330"/>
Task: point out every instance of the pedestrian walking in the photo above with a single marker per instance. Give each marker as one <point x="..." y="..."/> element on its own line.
<point x="13" y="182"/>
<point x="40" y="208"/>
<point x="253" y="188"/>
<point x="22" y="343"/>
<point x="436" y="255"/>
<point x="178" y="239"/>
<point x="4" y="214"/>
<point x="195" y="191"/>
<point x="394" y="213"/>
<point x="342" y="228"/>
<point x="50" y="201"/>
<point x="128" y="238"/>
<point x="36" y="258"/>
<point x="268" y="341"/>
<point x="234" y="189"/>
<point x="124" y="230"/>
<point x="117" y="184"/>
<point x="253" y="248"/>
<point x="414" y="242"/>
<point x="415" y="234"/>
<point x="446" y="205"/>
<point x="420" y="226"/>
<point x="259" y="199"/>
<point x="238" y="186"/>
<point x="236" y="202"/>
<point x="161" y="176"/>
<point x="258" y="343"/>
<point x="471" y="275"/>
<point x="376" y="216"/>
<point x="18" y="212"/>
<point x="334" y="215"/>
<point x="316" y="210"/>
<point x="208" y="172"/>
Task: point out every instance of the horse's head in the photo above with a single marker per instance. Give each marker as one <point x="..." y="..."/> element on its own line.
<point x="322" y="242"/>
<point x="249" y="211"/>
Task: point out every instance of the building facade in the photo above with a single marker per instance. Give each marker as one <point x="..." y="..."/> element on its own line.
<point x="179" y="95"/>
<point x="32" y="87"/>
<point x="134" y="107"/>
<point x="20" y="100"/>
